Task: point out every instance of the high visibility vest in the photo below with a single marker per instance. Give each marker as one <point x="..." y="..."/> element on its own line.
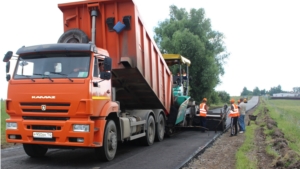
<point x="235" y="112"/>
<point x="202" y="110"/>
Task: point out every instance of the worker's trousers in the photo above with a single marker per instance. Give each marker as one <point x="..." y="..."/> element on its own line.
<point x="203" y="122"/>
<point x="242" y="122"/>
<point x="234" y="127"/>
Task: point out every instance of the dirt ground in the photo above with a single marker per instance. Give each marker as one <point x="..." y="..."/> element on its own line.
<point x="7" y="145"/>
<point x="221" y="154"/>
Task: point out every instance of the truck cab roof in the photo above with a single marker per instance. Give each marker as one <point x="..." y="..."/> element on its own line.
<point x="59" y="47"/>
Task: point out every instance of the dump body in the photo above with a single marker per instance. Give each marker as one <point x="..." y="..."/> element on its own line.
<point x="140" y="75"/>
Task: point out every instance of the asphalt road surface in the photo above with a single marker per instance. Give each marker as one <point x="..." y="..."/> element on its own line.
<point x="171" y="153"/>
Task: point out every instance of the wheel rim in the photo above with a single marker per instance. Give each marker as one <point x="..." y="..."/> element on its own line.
<point x="111" y="142"/>
<point x="161" y="125"/>
<point x="151" y="131"/>
<point x="73" y="39"/>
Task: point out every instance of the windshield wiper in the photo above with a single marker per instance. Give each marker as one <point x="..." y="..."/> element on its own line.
<point x="48" y="77"/>
<point x="29" y="77"/>
<point x="62" y="75"/>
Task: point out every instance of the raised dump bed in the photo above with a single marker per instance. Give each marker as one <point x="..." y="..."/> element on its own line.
<point x="140" y="75"/>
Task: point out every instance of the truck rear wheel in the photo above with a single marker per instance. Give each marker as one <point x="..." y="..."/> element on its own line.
<point x="160" y="128"/>
<point x="34" y="150"/>
<point x="73" y="36"/>
<point x="110" y="143"/>
<point x="150" y="132"/>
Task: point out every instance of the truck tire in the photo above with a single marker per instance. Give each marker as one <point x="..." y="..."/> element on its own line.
<point x="160" y="128"/>
<point x="150" y="132"/>
<point x="73" y="36"/>
<point x="110" y="142"/>
<point x="34" y="150"/>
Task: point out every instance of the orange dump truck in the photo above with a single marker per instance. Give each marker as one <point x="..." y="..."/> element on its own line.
<point x="105" y="81"/>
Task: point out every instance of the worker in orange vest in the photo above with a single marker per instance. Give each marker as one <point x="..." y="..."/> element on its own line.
<point x="203" y="109"/>
<point x="234" y="114"/>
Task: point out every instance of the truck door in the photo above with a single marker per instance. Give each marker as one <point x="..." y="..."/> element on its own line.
<point x="100" y="88"/>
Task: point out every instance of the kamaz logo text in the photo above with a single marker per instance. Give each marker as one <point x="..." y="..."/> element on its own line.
<point x="43" y="97"/>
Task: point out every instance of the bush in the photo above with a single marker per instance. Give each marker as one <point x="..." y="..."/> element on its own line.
<point x="224" y="96"/>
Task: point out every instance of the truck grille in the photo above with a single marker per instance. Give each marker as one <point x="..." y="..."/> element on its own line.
<point x="45" y="107"/>
<point x="45" y="111"/>
<point x="45" y="118"/>
<point x="48" y="104"/>
<point x="39" y="127"/>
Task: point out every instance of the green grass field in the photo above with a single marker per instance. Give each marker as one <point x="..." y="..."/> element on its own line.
<point x="3" y="117"/>
<point x="286" y="114"/>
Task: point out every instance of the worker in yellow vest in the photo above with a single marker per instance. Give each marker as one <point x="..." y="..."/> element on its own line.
<point x="234" y="114"/>
<point x="203" y="109"/>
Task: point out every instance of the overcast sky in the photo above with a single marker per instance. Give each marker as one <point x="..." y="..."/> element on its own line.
<point x="262" y="37"/>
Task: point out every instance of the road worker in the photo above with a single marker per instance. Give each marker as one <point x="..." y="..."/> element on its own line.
<point x="242" y="111"/>
<point x="78" y="69"/>
<point x="184" y="75"/>
<point x="234" y="114"/>
<point x="203" y="109"/>
<point x="101" y="66"/>
<point x="238" y="123"/>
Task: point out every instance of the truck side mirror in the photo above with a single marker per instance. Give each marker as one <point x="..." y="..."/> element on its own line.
<point x="7" y="77"/>
<point x="7" y="66"/>
<point x="7" y="56"/>
<point x="105" y="75"/>
<point x="107" y="64"/>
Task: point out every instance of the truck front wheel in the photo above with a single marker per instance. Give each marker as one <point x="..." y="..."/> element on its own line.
<point x="110" y="143"/>
<point x="34" y="150"/>
<point x="150" y="132"/>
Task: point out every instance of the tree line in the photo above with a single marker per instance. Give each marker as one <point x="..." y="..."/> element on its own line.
<point x="273" y="90"/>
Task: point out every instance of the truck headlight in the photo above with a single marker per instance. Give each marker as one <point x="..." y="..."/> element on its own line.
<point x="11" y="125"/>
<point x="81" y="127"/>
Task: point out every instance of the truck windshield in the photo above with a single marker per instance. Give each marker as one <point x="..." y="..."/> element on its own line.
<point x="61" y="65"/>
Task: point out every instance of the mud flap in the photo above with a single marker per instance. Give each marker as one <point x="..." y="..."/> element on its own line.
<point x="170" y="126"/>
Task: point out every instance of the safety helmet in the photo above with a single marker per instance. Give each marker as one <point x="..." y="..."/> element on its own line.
<point x="232" y="101"/>
<point x="204" y="100"/>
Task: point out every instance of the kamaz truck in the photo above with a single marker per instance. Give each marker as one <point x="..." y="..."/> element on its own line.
<point x="103" y="82"/>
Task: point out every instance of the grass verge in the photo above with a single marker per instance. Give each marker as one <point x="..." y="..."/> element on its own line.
<point x="286" y="114"/>
<point x="4" y="116"/>
<point x="244" y="155"/>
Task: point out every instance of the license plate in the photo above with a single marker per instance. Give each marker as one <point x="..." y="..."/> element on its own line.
<point x="42" y="135"/>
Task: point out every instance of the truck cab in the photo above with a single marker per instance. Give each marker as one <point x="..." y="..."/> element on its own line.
<point x="55" y="92"/>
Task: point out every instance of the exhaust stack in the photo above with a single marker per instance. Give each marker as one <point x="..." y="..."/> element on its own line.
<point x="94" y="14"/>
